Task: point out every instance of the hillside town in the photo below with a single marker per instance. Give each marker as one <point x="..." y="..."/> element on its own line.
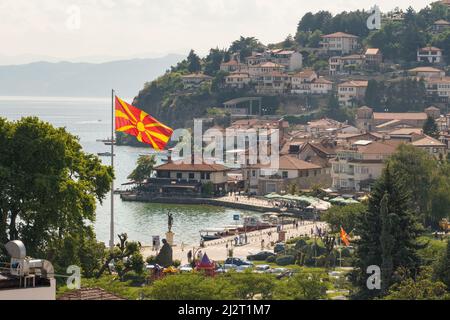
<point x="315" y="168"/>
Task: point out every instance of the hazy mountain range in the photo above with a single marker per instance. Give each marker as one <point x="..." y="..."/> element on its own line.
<point x="78" y="79"/>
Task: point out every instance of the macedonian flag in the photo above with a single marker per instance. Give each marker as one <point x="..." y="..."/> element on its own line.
<point x="344" y="237"/>
<point x="144" y="127"/>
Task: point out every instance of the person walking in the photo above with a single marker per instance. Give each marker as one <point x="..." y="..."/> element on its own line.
<point x="189" y="256"/>
<point x="262" y="244"/>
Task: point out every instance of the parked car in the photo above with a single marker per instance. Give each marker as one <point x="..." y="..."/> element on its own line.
<point x="186" y="268"/>
<point x="238" y="262"/>
<point x="278" y="270"/>
<point x="262" y="268"/>
<point x="226" y="268"/>
<point x="243" y="268"/>
<point x="260" y="256"/>
<point x="279" y="247"/>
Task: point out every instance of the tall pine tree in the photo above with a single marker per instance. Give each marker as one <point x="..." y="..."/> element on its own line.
<point x="388" y="233"/>
<point x="430" y="128"/>
<point x="194" y="64"/>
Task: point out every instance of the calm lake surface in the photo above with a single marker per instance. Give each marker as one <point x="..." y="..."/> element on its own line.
<point x="89" y="119"/>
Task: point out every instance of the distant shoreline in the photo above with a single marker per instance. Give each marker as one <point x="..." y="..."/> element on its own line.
<point x="60" y="98"/>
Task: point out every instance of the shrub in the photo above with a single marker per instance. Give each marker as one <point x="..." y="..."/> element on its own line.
<point x="271" y="259"/>
<point x="285" y="260"/>
<point x="151" y="260"/>
<point x="176" y="263"/>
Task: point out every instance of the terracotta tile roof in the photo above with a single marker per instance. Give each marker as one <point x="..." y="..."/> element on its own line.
<point x="340" y="35"/>
<point x="325" y="123"/>
<point x="388" y="116"/>
<point x="307" y="73"/>
<point x="287" y="162"/>
<point x="89" y="294"/>
<point x="353" y="57"/>
<point x="238" y="75"/>
<point x="429" y="48"/>
<point x="372" y="51"/>
<point x="322" y="80"/>
<point x="406" y="131"/>
<point x="425" y="69"/>
<point x="376" y="147"/>
<point x="230" y="63"/>
<point x="428" y="141"/>
<point x="327" y="150"/>
<point x="191" y="167"/>
<point x="355" y="83"/>
<point x="442" y="22"/>
<point x="270" y="65"/>
<point x="439" y="80"/>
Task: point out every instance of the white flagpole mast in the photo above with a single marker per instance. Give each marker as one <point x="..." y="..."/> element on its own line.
<point x="111" y="234"/>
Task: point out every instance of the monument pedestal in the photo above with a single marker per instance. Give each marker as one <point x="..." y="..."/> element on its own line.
<point x="169" y="237"/>
<point x="282" y="236"/>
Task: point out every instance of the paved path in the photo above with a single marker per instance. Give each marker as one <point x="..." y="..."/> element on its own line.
<point x="217" y="250"/>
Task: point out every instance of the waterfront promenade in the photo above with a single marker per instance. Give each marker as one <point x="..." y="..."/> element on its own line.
<point x="217" y="249"/>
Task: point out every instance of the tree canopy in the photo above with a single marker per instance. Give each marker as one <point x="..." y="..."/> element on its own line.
<point x="48" y="189"/>
<point x="388" y="233"/>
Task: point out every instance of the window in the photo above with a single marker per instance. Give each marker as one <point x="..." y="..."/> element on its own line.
<point x="202" y="176"/>
<point x="284" y="174"/>
<point x="253" y="173"/>
<point x="179" y="175"/>
<point x="208" y="176"/>
<point x="191" y="175"/>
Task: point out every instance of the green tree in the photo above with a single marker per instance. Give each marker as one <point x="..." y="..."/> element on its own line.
<point x="144" y="169"/>
<point x="387" y="242"/>
<point x="289" y="42"/>
<point x="213" y="61"/>
<point x="245" y="46"/>
<point x="49" y="189"/>
<point x="441" y="270"/>
<point x="293" y="189"/>
<point x="442" y="41"/>
<point x="302" y="286"/>
<point x="430" y="128"/>
<point x="247" y="285"/>
<point x="191" y="287"/>
<point x="426" y="179"/>
<point x="402" y="228"/>
<point x="193" y="62"/>
<point x="421" y="288"/>
<point x="345" y="216"/>
<point x="126" y="257"/>
<point x="314" y="39"/>
<point x="374" y="95"/>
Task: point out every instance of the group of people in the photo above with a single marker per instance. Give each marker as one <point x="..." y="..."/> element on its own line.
<point x="190" y="256"/>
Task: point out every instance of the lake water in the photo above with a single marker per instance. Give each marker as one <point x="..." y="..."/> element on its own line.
<point x="90" y="119"/>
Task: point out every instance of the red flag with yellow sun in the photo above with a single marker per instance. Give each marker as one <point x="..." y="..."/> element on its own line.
<point x="344" y="237"/>
<point x="144" y="127"/>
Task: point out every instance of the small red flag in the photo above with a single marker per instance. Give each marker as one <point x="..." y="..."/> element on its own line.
<point x="344" y="237"/>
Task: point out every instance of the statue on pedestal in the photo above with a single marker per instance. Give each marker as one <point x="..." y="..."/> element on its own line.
<point x="169" y="221"/>
<point x="165" y="257"/>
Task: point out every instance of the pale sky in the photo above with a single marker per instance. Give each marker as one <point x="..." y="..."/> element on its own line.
<point x="125" y="28"/>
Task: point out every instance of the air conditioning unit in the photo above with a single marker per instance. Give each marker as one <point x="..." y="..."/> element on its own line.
<point x="21" y="265"/>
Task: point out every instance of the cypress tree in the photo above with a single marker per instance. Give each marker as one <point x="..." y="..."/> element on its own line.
<point x="430" y="128"/>
<point x="386" y="242"/>
<point x="388" y="232"/>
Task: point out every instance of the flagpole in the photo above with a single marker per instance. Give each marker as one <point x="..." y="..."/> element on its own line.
<point x="111" y="234"/>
